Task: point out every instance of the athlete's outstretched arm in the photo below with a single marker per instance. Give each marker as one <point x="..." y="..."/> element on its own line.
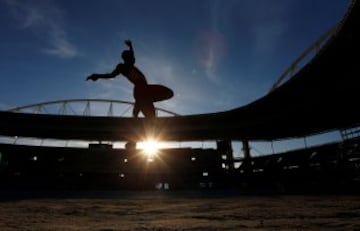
<point x="111" y="75"/>
<point x="118" y="70"/>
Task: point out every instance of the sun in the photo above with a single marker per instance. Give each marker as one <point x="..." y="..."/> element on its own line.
<point x="150" y="148"/>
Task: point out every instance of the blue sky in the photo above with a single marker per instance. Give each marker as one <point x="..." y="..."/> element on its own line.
<point x="215" y="54"/>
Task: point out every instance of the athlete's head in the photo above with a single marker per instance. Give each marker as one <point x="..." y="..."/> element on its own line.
<point x="128" y="56"/>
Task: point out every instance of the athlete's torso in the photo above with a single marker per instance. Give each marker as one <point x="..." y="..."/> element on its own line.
<point x="133" y="74"/>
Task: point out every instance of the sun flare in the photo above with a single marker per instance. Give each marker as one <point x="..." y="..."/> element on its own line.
<point x="150" y="148"/>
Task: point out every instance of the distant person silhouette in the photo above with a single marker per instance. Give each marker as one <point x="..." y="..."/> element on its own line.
<point x="145" y="94"/>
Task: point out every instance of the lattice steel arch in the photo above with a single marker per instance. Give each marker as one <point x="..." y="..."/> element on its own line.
<point x="295" y="66"/>
<point x="67" y="107"/>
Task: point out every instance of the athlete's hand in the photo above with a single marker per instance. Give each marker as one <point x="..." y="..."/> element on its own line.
<point x="128" y="43"/>
<point x="92" y="77"/>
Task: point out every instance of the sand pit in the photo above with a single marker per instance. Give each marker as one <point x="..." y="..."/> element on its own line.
<point x="180" y="211"/>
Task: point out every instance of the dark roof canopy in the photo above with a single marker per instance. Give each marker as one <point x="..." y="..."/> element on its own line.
<point x="322" y="96"/>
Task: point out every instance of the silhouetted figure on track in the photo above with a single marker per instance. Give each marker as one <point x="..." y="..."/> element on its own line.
<point x="145" y="94"/>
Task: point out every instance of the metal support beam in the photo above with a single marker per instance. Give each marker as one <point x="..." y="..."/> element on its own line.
<point x="246" y="149"/>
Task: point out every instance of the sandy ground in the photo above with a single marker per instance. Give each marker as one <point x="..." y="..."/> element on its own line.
<point x="179" y="211"/>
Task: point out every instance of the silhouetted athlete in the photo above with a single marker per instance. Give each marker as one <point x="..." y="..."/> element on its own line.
<point x="145" y="94"/>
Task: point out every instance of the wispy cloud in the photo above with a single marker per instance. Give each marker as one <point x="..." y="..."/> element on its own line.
<point x="44" y="17"/>
<point x="210" y="47"/>
<point x="61" y="47"/>
<point x="209" y="52"/>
